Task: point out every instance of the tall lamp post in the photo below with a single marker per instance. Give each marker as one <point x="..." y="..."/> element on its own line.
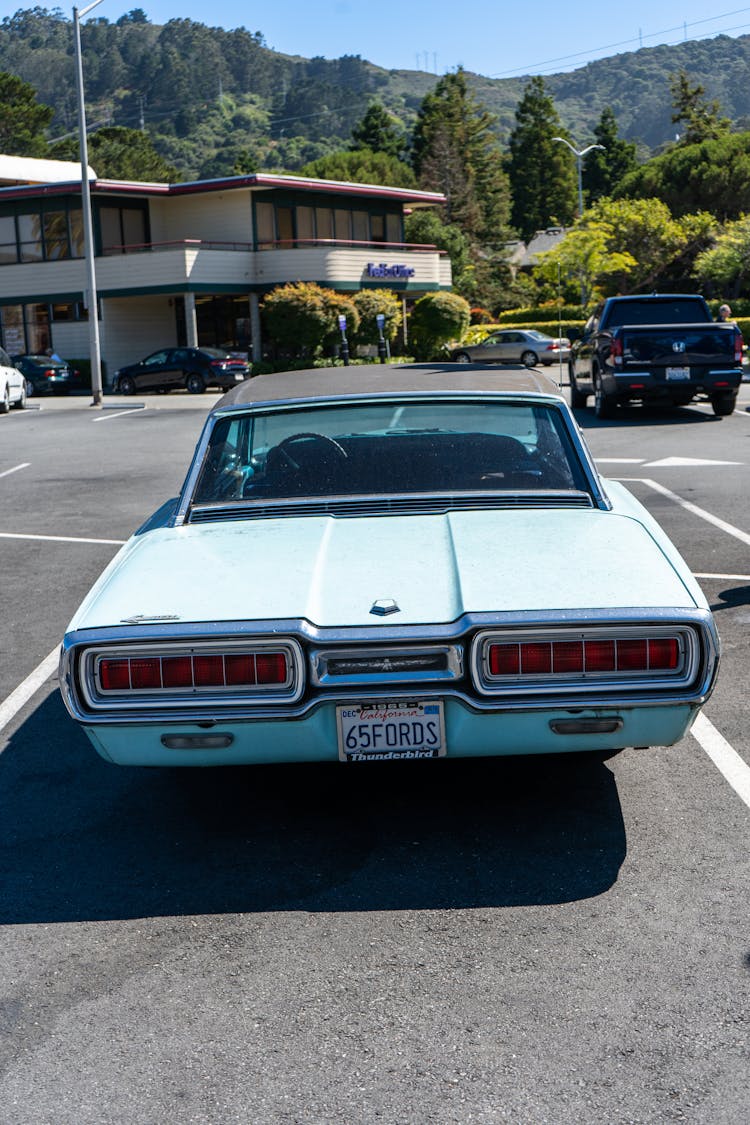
<point x="88" y="226"/>
<point x="579" y="155"/>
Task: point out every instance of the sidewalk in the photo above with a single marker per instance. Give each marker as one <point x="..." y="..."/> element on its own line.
<point x="81" y="400"/>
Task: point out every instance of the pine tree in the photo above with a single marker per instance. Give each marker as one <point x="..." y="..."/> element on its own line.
<point x="23" y="119"/>
<point x="456" y="151"/>
<point x="542" y="171"/>
<point x="604" y="168"/>
<point x="379" y="132"/>
<point x="701" y="117"/>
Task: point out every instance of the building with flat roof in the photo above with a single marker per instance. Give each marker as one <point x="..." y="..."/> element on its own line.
<point x="188" y="263"/>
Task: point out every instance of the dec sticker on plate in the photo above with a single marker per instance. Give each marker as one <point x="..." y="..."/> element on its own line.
<point x="387" y="731"/>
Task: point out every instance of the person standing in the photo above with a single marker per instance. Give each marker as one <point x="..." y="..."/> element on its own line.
<point x="725" y="314"/>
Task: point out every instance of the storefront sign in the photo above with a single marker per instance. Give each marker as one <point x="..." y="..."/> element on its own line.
<point x="382" y="269"/>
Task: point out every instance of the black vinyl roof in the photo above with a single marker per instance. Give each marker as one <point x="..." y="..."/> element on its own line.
<point x="388" y="379"/>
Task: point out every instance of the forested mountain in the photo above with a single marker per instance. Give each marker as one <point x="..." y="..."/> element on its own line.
<point x="215" y="101"/>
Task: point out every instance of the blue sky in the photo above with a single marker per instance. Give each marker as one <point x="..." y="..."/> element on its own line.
<point x="538" y="37"/>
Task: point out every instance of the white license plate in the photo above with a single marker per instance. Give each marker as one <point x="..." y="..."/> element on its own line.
<point x="387" y="731"/>
<point x="678" y="373"/>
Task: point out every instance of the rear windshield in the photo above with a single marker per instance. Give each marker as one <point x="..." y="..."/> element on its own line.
<point x="389" y="448"/>
<point x="679" y="310"/>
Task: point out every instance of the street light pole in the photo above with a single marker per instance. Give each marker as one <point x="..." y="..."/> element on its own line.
<point x="88" y="226"/>
<point x="579" y="155"/>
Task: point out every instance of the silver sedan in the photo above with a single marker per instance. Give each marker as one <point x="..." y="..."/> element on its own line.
<point x="516" y="346"/>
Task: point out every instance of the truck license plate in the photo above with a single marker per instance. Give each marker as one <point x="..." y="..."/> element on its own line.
<point x="387" y="731"/>
<point x="678" y="373"/>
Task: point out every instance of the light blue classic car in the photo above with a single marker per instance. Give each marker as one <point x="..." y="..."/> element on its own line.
<point x="386" y="562"/>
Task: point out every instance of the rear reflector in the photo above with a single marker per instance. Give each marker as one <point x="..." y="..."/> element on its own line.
<point x="197" y="670"/>
<point x="544" y="658"/>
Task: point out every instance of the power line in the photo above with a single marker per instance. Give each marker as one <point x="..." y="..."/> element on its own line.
<point x="534" y="68"/>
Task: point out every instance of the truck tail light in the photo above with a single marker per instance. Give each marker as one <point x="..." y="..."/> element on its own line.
<point x="616" y="349"/>
<point x="739" y="344"/>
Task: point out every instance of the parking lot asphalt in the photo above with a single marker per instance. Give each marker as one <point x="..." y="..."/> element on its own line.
<point x="527" y="941"/>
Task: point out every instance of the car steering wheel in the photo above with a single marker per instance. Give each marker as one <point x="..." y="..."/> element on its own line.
<point x="330" y="443"/>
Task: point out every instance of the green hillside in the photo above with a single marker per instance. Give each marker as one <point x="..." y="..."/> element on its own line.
<point x="214" y="101"/>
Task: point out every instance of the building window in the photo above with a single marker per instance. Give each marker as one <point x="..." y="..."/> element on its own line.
<point x="394" y="228"/>
<point x="323" y="223"/>
<point x="285" y="224"/>
<point x="68" y="310"/>
<point x="360" y="226"/>
<point x="30" y="238"/>
<point x="265" y="226"/>
<point x="305" y="225"/>
<point x="122" y="228"/>
<point x="8" y="244"/>
<point x="342" y="225"/>
<point x="55" y="235"/>
<point x="76" y="232"/>
<point x="25" y="328"/>
<point x="377" y="228"/>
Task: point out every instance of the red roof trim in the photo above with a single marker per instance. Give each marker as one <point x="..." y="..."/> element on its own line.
<point x="258" y="179"/>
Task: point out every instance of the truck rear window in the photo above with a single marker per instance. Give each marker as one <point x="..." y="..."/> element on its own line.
<point x="652" y="310"/>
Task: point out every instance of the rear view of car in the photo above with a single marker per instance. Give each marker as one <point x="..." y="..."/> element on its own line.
<point x="44" y="375"/>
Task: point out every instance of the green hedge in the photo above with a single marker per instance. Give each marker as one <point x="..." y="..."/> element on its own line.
<point x="542" y="315"/>
<point x="570" y="328"/>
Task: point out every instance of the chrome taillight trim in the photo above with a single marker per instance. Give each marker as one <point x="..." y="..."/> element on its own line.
<point x="98" y="699"/>
<point x="565" y="683"/>
<point x="323" y="671"/>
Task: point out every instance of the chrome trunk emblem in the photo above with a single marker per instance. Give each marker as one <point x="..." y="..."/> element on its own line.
<point x="383" y="607"/>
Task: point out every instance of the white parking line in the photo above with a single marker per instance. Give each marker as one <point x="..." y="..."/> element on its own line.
<point x="729" y="528"/>
<point x="23" y="693"/>
<point x="725" y="577"/>
<point x="724" y="757"/>
<point x="15" y="469"/>
<point x="119" y="413"/>
<point x="61" y="538"/>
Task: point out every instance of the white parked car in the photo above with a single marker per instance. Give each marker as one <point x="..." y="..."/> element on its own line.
<point x="12" y="385"/>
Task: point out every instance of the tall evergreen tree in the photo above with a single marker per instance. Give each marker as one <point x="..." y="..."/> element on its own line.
<point x="542" y="171"/>
<point x="456" y="151"/>
<point x="702" y="118"/>
<point x="604" y="168"/>
<point x="23" y="120"/>
<point x="379" y="131"/>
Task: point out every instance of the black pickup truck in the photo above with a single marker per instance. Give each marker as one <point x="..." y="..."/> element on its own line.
<point x="657" y="348"/>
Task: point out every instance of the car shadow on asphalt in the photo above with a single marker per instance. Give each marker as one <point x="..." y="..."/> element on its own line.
<point x="84" y="840"/>
<point x="733" y="597"/>
<point x="644" y="416"/>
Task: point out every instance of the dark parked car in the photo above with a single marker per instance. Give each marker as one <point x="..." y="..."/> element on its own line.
<point x="45" y="375"/>
<point x="191" y="368"/>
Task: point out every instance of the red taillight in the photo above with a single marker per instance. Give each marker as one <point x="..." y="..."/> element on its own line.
<point x="145" y="673"/>
<point x="208" y="671"/>
<point x="177" y="671"/>
<point x="199" y="670"/>
<point x="567" y="656"/>
<point x="115" y="675"/>
<point x="49" y="374"/>
<point x="536" y="659"/>
<point x="600" y="656"/>
<point x="664" y="654"/>
<point x="589" y="657"/>
<point x="505" y="660"/>
<point x="616" y="349"/>
<point x="739" y="343"/>
<point x="271" y="667"/>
